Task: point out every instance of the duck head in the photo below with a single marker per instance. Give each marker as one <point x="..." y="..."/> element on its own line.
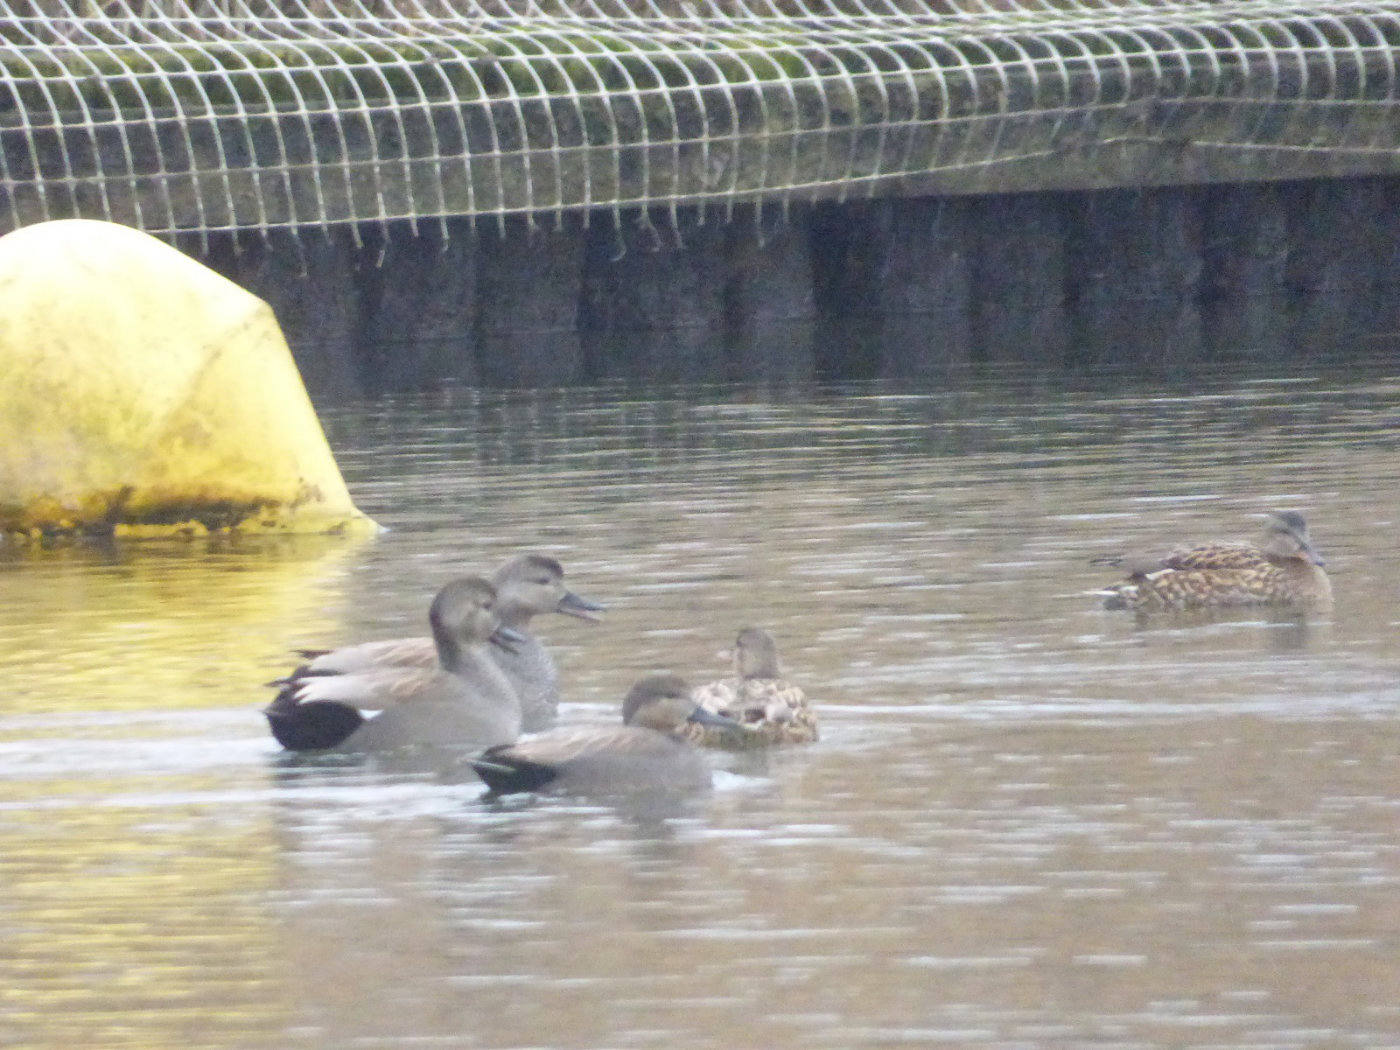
<point x="756" y="654"/>
<point x="1286" y="536"/>
<point x="663" y="702"/>
<point x="530" y="584"/>
<point x="464" y="615"/>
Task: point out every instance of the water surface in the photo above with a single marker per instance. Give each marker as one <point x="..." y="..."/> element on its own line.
<point x="1028" y="823"/>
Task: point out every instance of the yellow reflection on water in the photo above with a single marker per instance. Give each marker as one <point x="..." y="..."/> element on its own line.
<point x="137" y="926"/>
<point x="136" y="902"/>
<point x="155" y="625"/>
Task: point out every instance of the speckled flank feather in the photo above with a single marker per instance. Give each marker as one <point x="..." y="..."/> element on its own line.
<point x="773" y="709"/>
<point x="1172" y="588"/>
<point x="1283" y="570"/>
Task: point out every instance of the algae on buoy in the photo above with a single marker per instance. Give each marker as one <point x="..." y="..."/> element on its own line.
<point x="145" y="394"/>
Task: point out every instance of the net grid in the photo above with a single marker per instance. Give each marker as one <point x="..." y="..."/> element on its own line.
<point x="196" y="118"/>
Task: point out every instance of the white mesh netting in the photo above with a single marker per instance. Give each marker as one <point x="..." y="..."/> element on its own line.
<point x="235" y="114"/>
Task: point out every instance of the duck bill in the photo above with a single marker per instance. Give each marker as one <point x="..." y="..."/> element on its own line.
<point x="1310" y="552"/>
<point x="576" y="605"/>
<point x="706" y="717"/>
<point x="507" y="639"/>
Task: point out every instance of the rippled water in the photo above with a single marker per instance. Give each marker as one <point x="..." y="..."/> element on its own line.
<point x="1029" y="822"/>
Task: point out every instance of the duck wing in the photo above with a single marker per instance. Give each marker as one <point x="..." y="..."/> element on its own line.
<point x="1219" y="575"/>
<point x="601" y="758"/>
<point x="1216" y="556"/>
<point x="392" y="652"/>
<point x="561" y="746"/>
<point x="373" y="689"/>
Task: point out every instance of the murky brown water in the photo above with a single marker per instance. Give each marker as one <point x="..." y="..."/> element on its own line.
<point x="1029" y="823"/>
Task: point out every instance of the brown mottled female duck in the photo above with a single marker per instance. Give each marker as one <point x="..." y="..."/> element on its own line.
<point x="771" y="708"/>
<point x="527" y="585"/>
<point x="644" y="754"/>
<point x="1282" y="569"/>
<point x="464" y="699"/>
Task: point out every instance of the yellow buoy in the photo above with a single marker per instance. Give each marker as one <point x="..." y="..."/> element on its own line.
<point x="145" y="394"/>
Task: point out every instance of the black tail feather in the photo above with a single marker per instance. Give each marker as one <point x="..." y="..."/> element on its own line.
<point x="1115" y="601"/>
<point x="312" y="726"/>
<point x="506" y="774"/>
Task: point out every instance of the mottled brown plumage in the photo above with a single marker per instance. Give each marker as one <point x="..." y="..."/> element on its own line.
<point x="772" y="709"/>
<point x="1282" y="569"/>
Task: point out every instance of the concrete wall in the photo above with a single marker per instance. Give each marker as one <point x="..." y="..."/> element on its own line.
<point x="897" y="287"/>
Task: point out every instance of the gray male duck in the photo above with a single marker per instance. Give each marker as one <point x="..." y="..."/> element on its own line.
<point x="527" y="585"/>
<point x="464" y="699"/>
<point x="1283" y="568"/>
<point x="644" y="754"/>
<point x="772" y="709"/>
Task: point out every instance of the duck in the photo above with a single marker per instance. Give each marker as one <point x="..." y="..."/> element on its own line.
<point x="527" y="585"/>
<point x="464" y="699"/>
<point x="645" y="754"/>
<point x="771" y="708"/>
<point x="1283" y="569"/>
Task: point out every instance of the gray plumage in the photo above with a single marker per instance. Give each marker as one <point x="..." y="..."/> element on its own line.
<point x="641" y="755"/>
<point x="464" y="699"/>
<point x="527" y="585"/>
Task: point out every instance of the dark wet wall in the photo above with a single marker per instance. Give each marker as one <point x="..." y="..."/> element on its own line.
<point x="897" y="287"/>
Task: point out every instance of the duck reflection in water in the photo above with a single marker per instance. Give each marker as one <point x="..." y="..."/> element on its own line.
<point x="643" y="755"/>
<point x="464" y="700"/>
